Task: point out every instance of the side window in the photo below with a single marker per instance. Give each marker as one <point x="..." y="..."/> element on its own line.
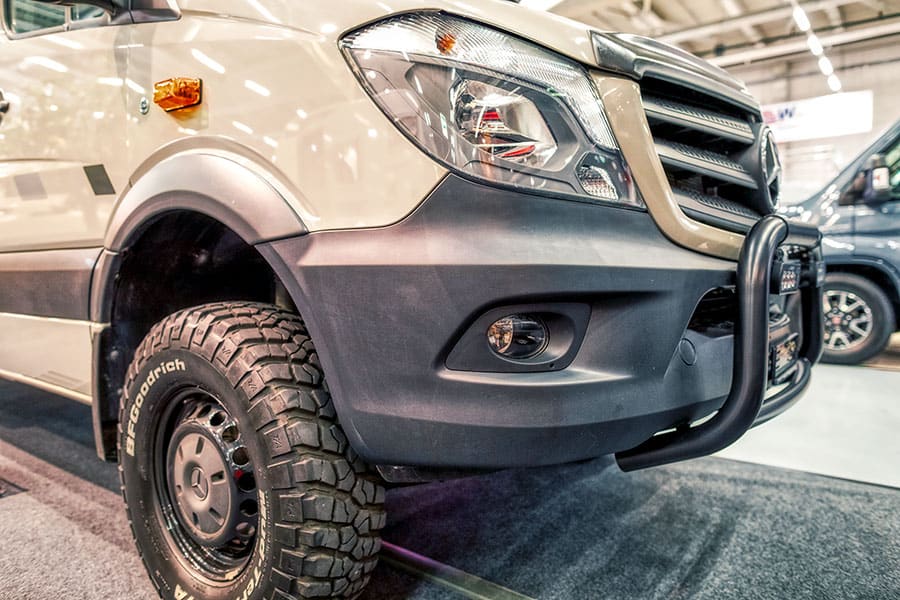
<point x="83" y="12"/>
<point x="857" y="186"/>
<point x="24" y="16"/>
<point x="28" y="16"/>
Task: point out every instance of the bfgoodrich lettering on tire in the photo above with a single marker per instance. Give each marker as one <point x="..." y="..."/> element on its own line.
<point x="237" y="477"/>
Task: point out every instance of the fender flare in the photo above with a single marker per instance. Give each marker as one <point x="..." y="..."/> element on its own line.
<point x="216" y="178"/>
<point x="219" y="178"/>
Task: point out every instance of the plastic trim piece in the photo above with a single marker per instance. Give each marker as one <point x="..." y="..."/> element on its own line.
<point x="47" y="283"/>
<point x="707" y="121"/>
<point x="628" y="120"/>
<point x="743" y="406"/>
<point x="205" y="182"/>
<point x="704" y="162"/>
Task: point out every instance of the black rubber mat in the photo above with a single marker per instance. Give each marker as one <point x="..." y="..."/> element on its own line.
<point x="709" y="528"/>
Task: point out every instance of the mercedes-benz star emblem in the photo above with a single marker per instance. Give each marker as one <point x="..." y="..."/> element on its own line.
<point x="771" y="165"/>
<point x="199" y="483"/>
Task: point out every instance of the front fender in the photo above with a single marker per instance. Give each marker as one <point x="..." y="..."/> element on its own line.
<point x="888" y="270"/>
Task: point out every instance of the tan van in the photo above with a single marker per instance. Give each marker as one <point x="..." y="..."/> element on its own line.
<point x="502" y="238"/>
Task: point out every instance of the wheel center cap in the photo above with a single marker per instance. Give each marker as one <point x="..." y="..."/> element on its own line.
<point x="199" y="483"/>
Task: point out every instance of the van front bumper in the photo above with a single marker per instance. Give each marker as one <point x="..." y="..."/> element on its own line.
<point x="390" y="310"/>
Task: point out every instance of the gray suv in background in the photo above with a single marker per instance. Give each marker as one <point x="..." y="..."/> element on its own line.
<point x="858" y="213"/>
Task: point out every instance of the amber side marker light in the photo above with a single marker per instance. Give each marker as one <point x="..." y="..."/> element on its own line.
<point x="177" y="93"/>
<point x="445" y="42"/>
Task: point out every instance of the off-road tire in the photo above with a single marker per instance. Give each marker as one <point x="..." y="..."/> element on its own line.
<point x="883" y="319"/>
<point x="320" y="508"/>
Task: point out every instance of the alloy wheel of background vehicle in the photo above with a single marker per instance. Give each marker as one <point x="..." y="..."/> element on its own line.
<point x="238" y="480"/>
<point x="859" y="319"/>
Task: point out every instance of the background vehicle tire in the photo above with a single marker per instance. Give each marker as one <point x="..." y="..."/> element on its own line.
<point x="238" y="480"/>
<point x="859" y="319"/>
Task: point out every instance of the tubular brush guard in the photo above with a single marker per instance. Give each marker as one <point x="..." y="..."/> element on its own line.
<point x="745" y="406"/>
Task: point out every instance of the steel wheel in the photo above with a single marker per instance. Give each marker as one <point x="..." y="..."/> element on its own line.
<point x="205" y="485"/>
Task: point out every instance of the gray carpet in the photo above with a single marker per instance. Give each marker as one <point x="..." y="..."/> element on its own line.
<point x="710" y="528"/>
<point x="53" y="429"/>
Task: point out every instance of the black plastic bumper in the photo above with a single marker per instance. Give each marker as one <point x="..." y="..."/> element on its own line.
<point x="390" y="310"/>
<point x="746" y="404"/>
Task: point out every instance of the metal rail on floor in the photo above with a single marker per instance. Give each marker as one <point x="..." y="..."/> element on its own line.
<point x="466" y="584"/>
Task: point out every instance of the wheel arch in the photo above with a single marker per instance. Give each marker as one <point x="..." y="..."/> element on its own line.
<point x="192" y="201"/>
<point x="876" y="271"/>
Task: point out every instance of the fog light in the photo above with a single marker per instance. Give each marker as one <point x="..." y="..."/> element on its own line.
<point x="517" y="336"/>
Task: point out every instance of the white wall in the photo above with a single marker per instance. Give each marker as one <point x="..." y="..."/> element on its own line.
<point x="871" y="65"/>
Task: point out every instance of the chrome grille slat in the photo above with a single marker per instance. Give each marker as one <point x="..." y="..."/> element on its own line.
<point x="705" y="162"/>
<point x="715" y="211"/>
<point x="704" y="120"/>
<point x="714" y="202"/>
<point x="710" y="148"/>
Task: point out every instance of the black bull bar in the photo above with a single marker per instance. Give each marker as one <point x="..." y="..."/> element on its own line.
<point x="747" y="404"/>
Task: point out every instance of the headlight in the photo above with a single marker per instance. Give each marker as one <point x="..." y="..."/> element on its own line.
<point x="491" y="106"/>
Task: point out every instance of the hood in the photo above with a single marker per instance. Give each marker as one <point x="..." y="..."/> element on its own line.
<point x="330" y="21"/>
<point x="819" y="201"/>
<point x="638" y="57"/>
<point x="630" y="55"/>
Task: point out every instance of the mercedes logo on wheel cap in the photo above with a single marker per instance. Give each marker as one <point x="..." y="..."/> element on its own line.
<point x="199" y="483"/>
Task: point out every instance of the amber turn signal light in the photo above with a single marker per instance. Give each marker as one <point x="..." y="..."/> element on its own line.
<point x="177" y="93"/>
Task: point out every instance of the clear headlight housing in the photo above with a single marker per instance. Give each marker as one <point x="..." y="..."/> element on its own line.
<point x="492" y="106"/>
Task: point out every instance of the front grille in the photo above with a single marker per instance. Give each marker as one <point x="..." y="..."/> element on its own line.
<point x="709" y="149"/>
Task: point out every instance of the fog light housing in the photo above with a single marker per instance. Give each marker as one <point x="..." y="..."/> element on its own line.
<point x="517" y="337"/>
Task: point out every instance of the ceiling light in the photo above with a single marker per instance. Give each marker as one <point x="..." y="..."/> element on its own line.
<point x="825" y="66"/>
<point x="815" y="46"/>
<point x="801" y="19"/>
<point x="834" y="83"/>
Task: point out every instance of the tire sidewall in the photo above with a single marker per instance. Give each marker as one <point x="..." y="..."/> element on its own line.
<point x="146" y="401"/>
<point x="882" y="313"/>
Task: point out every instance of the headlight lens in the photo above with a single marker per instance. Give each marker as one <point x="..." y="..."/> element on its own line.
<point x="492" y="106"/>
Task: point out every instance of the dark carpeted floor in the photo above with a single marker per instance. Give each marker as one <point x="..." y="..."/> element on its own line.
<point x="54" y="429"/>
<point x="709" y="528"/>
